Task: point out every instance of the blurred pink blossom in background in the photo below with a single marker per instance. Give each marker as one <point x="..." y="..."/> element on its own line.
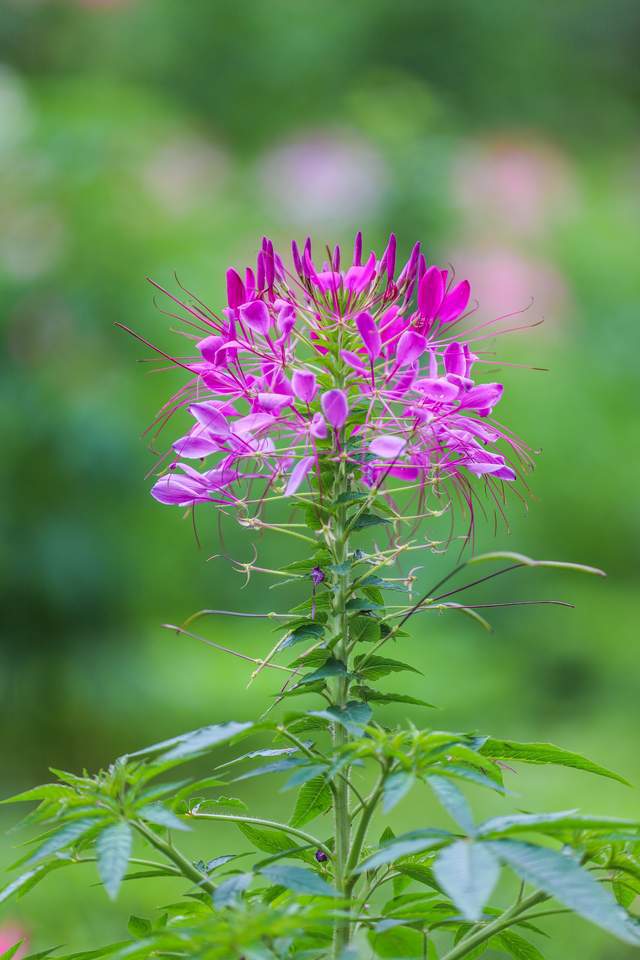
<point x="518" y="186"/>
<point x="504" y="280"/>
<point x="324" y="177"/>
<point x="10" y="934"/>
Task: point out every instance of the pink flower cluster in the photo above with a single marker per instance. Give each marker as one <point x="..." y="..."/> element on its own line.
<point x="352" y="362"/>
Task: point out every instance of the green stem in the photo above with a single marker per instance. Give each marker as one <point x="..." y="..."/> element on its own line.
<point x="267" y="824"/>
<point x="342" y="815"/>
<point x="184" y="865"/>
<point x="361" y="833"/>
<point x="506" y="919"/>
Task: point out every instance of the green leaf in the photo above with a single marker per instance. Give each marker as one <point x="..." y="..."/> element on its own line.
<point x="203" y="740"/>
<point x="12" y="950"/>
<point x="48" y="791"/>
<point x="113" y="847"/>
<point x="544" y="753"/>
<point x="139" y="926"/>
<point x="230" y="890"/>
<point x="299" y="880"/>
<point x="308" y="632"/>
<point x="377" y="667"/>
<point x="360" y="605"/>
<point x="64" y="838"/>
<point x="353" y="717"/>
<point x="372" y="581"/>
<point x="313" y="800"/>
<point x="376" y="696"/>
<point x="364" y="629"/>
<point x="418" y="872"/>
<point x="517" y="946"/>
<point x="330" y="668"/>
<point x="471" y="775"/>
<point x="453" y="801"/>
<point x="403" y="846"/>
<point x="397" y="942"/>
<point x="366" y="520"/>
<point x="559" y="875"/>
<point x="26" y="881"/>
<point x="162" y="817"/>
<point x="303" y="774"/>
<point x="269" y="841"/>
<point x="396" y="786"/>
<point x="468" y="873"/>
<point x="552" y="823"/>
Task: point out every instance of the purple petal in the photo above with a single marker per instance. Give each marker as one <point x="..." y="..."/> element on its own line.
<point x="176" y="490"/>
<point x="304" y="385"/>
<point x="482" y="398"/>
<point x="318" y="427"/>
<point x="235" y="289"/>
<point x="335" y="407"/>
<point x="455" y="302"/>
<point x="368" y="330"/>
<point x="209" y="416"/>
<point x="193" y="448"/>
<point x="274" y="401"/>
<point x="430" y="293"/>
<point x="411" y="345"/>
<point x="354" y="361"/>
<point x="256" y="315"/>
<point x="298" y="474"/>
<point x="455" y="360"/>
<point x="387" y="447"/>
<point x="438" y="389"/>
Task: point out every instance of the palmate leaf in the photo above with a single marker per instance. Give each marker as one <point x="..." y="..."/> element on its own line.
<point x="353" y="716"/>
<point x="159" y="815"/>
<point x="453" y="801"/>
<point x="544" y="753"/>
<point x="47" y="791"/>
<point x="299" y="880"/>
<point x="468" y="873"/>
<point x="552" y="823"/>
<point x="395" y="940"/>
<point x="28" y="880"/>
<point x="64" y="837"/>
<point x="417" y="841"/>
<point x="230" y="890"/>
<point x="314" y="799"/>
<point x="396" y="786"/>
<point x="273" y="841"/>
<point x="562" y="877"/>
<point x="195" y="742"/>
<point x="330" y="668"/>
<point x="113" y="847"/>
<point x="516" y="946"/>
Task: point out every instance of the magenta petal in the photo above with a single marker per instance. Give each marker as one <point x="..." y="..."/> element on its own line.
<point x="335" y="407"/>
<point x="256" y="315"/>
<point x="387" y="447"/>
<point x="274" y="402"/>
<point x="455" y="360"/>
<point x="304" y="385"/>
<point x="455" y="302"/>
<point x="193" y="448"/>
<point x="430" y="293"/>
<point x="483" y="397"/>
<point x="368" y="330"/>
<point x="438" y="389"/>
<point x="235" y="289"/>
<point x="411" y="345"/>
<point x="318" y="427"/>
<point x="176" y="490"/>
<point x="210" y="417"/>
<point x="354" y="361"/>
<point x="298" y="474"/>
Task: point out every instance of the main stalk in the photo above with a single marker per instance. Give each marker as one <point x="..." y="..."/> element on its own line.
<point x="338" y="542"/>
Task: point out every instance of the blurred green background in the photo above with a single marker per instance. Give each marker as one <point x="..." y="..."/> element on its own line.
<point x="142" y="138"/>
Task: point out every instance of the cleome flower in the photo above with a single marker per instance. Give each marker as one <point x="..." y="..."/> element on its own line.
<point x="351" y="363"/>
